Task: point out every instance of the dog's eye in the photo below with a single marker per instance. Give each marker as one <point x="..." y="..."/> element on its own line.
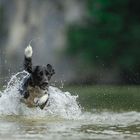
<point x="47" y="73"/>
<point x="41" y="73"/>
<point x="49" y="77"/>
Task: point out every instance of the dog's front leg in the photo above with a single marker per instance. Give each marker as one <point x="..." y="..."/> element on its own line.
<point x="42" y="101"/>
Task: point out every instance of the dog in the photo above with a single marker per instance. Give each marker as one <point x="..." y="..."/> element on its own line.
<point x="34" y="89"/>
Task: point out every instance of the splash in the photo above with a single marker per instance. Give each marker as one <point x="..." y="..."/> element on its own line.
<point x="62" y="104"/>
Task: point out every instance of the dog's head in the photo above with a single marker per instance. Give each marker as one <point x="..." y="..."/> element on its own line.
<point x="41" y="75"/>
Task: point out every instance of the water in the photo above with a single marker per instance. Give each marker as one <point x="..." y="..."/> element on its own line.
<point x="63" y="119"/>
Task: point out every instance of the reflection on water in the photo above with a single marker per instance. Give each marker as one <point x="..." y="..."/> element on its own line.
<point x="102" y="118"/>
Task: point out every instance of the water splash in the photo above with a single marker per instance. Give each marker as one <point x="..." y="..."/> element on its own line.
<point x="62" y="104"/>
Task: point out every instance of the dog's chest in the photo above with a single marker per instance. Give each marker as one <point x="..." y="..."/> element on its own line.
<point x="34" y="93"/>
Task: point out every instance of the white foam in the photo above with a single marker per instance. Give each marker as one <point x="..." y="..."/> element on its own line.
<point x="62" y="104"/>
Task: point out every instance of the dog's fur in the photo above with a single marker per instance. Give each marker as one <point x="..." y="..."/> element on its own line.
<point x="35" y="87"/>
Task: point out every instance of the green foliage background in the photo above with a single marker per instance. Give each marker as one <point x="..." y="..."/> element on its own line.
<point x="110" y="36"/>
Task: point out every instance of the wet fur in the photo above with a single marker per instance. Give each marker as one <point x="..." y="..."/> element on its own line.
<point x="34" y="92"/>
<point x="36" y="85"/>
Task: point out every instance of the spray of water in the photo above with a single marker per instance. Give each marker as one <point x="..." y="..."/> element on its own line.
<point x="62" y="104"/>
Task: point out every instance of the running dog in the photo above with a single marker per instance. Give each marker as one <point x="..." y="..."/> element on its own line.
<point x="34" y="89"/>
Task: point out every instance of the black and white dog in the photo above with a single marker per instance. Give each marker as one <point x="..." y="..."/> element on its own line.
<point x="35" y="87"/>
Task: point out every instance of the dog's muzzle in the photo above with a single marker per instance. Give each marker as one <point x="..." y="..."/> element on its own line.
<point x="44" y="85"/>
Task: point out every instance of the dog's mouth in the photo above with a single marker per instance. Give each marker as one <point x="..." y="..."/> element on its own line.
<point x="44" y="86"/>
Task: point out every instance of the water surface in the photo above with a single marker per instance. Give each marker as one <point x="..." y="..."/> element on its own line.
<point x="99" y="113"/>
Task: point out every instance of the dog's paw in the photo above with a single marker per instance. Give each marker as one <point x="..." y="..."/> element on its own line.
<point x="28" y="51"/>
<point x="43" y="99"/>
<point x="41" y="102"/>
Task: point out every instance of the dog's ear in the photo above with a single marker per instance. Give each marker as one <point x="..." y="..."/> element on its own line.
<point x="50" y="69"/>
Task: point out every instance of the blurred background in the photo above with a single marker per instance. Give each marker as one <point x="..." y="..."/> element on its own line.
<point x="87" y="41"/>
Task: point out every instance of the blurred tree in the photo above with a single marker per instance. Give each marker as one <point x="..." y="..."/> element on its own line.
<point x="2" y="25"/>
<point x="110" y="36"/>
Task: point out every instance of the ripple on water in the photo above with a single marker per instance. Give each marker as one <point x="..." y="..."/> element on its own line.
<point x="63" y="119"/>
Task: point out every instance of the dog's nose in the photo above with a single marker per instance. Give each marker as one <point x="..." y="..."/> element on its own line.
<point x="46" y="83"/>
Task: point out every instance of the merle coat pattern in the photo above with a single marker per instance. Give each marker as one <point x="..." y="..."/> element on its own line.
<point x="36" y="85"/>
